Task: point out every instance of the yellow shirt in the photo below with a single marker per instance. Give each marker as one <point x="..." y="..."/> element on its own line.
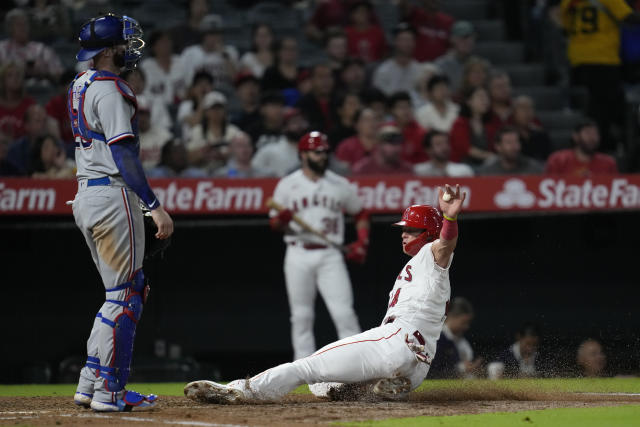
<point x="594" y="38"/>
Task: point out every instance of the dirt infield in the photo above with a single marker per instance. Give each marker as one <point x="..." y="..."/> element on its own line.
<point x="298" y="410"/>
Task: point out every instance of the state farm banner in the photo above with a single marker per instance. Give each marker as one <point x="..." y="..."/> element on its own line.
<point x="387" y="194"/>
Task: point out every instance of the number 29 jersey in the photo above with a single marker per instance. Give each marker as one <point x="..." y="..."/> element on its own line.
<point x="421" y="294"/>
<point x="321" y="204"/>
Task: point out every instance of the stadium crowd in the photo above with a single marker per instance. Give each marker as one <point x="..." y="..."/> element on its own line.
<point x="416" y="101"/>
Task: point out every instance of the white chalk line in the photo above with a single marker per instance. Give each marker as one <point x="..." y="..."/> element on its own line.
<point x="36" y="414"/>
<point x="608" y="394"/>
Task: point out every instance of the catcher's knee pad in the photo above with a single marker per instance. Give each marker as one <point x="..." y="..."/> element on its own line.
<point x="124" y="331"/>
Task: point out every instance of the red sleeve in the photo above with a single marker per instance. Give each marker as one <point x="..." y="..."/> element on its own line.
<point x="342" y="152"/>
<point x="460" y="139"/>
<point x="553" y="165"/>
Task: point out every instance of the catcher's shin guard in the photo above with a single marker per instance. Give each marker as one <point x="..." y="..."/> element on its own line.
<point x="124" y="331"/>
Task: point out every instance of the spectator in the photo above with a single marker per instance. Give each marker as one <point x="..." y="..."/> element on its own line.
<point x="582" y="160"/>
<point x="6" y="168"/>
<point x="248" y="93"/>
<point x="510" y="160"/>
<point x="269" y="129"/>
<point x="440" y="112"/>
<point x="261" y="56"/>
<point x="49" y="160"/>
<point x="335" y="47"/>
<point x="239" y="161"/>
<point x="40" y="62"/>
<point x="190" y="111"/>
<point x="35" y="126"/>
<point x="281" y="157"/>
<point x="347" y="105"/>
<point x="451" y="64"/>
<point x="469" y="140"/>
<point x="159" y="112"/>
<point x="590" y="358"/>
<point x="594" y="54"/>
<point x="475" y="73"/>
<point x="352" y="76"/>
<point x="436" y="144"/>
<point x="152" y="136"/>
<point x="329" y="14"/>
<point x="50" y="20"/>
<point x="454" y="355"/>
<point x="173" y="163"/>
<point x="533" y="138"/>
<point x="315" y="105"/>
<point x="386" y="158"/>
<point x="433" y="28"/>
<point x="377" y="101"/>
<point x="189" y="33"/>
<point x="164" y="71"/>
<point x="353" y="149"/>
<point x="57" y="109"/>
<point x="212" y="56"/>
<point x="501" y="102"/>
<point x="399" y="72"/>
<point x="412" y="133"/>
<point x="420" y="95"/>
<point x="521" y="359"/>
<point x="283" y="74"/>
<point x="208" y="145"/>
<point x="365" y="39"/>
<point x="14" y="102"/>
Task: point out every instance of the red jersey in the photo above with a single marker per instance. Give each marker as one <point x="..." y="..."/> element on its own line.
<point x="567" y="162"/>
<point x="351" y="150"/>
<point x="12" y="119"/>
<point x="460" y="138"/>
<point x="368" y="45"/>
<point x="434" y="30"/>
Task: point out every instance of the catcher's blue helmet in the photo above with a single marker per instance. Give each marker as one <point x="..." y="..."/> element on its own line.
<point x="111" y="30"/>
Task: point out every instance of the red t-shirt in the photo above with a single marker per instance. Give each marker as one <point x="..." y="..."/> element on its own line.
<point x="370" y="166"/>
<point x="434" y="30"/>
<point x="567" y="162"/>
<point x="57" y="108"/>
<point x="351" y="150"/>
<point x="412" y="150"/>
<point x="460" y="138"/>
<point x="12" y="119"/>
<point x="368" y="45"/>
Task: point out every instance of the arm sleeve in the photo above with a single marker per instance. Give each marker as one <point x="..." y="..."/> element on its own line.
<point x="618" y="8"/>
<point x="126" y="158"/>
<point x="279" y="196"/>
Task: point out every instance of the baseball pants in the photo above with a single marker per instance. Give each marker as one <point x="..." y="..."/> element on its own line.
<point x="307" y="272"/>
<point x="374" y="354"/>
<point x="111" y="221"/>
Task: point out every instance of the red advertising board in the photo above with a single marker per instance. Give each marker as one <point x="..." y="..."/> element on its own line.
<point x="386" y="194"/>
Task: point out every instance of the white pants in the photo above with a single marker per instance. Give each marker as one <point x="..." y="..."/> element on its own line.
<point x="374" y="354"/>
<point x="308" y="271"/>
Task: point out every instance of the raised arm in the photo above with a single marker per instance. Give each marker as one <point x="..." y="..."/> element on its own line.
<point x="451" y="205"/>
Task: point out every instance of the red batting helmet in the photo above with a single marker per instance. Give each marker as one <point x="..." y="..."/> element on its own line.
<point x="313" y="141"/>
<point x="424" y="217"/>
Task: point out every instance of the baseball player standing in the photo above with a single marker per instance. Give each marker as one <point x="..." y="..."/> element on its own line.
<point x="319" y="197"/>
<point x="111" y="185"/>
<point x="392" y="358"/>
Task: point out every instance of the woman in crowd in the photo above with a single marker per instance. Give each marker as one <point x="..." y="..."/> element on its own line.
<point x="469" y="140"/>
<point x="261" y="56"/>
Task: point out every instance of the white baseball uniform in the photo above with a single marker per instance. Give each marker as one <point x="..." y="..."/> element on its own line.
<point x="417" y="310"/>
<point x="310" y="264"/>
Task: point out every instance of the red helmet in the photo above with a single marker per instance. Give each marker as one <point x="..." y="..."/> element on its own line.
<point x="313" y="141"/>
<point x="424" y="217"/>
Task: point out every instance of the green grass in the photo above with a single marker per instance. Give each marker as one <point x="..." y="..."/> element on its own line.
<point x="566" y="417"/>
<point x="597" y="385"/>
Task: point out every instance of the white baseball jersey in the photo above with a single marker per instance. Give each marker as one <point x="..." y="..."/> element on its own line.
<point x="421" y="295"/>
<point x="321" y="204"/>
<point x="167" y="85"/>
<point x="106" y="111"/>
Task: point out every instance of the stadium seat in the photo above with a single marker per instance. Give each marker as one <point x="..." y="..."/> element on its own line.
<point x="546" y="97"/>
<point x="500" y="52"/>
<point x="468" y="10"/>
<point x="525" y="74"/>
<point x="489" y="30"/>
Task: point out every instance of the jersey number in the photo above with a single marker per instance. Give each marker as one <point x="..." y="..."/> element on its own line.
<point x="408" y="276"/>
<point x="586" y="18"/>
<point x="394" y="300"/>
<point x="329" y="225"/>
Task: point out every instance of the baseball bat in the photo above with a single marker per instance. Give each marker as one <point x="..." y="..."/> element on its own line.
<point x="306" y="227"/>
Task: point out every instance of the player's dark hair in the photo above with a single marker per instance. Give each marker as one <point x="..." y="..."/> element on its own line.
<point x="428" y="137"/>
<point x="436" y="80"/>
<point x="459" y="305"/>
<point x="398" y="97"/>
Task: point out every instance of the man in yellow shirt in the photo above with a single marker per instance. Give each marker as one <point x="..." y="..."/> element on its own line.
<point x="593" y="34"/>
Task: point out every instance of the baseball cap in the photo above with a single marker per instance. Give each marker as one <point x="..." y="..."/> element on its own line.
<point x="390" y="133"/>
<point x="214" y="98"/>
<point x="462" y="29"/>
